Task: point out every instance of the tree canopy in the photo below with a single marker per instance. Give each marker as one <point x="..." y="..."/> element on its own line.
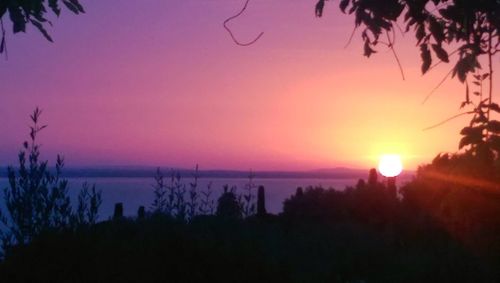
<point x="438" y="25"/>
<point x="462" y="32"/>
<point x="25" y="12"/>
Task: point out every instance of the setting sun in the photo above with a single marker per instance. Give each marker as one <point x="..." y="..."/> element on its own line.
<point x="390" y="165"/>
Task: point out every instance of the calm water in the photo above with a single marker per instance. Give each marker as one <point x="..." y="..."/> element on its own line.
<point x="134" y="192"/>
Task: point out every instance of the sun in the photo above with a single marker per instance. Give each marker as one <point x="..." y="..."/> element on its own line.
<point x="390" y="165"/>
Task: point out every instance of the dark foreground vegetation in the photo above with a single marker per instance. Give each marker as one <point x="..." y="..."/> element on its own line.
<point x="229" y="250"/>
<point x="430" y="233"/>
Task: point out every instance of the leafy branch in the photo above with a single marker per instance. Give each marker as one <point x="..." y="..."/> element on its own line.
<point x="33" y="12"/>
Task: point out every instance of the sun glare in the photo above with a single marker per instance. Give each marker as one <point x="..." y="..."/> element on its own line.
<point x="390" y="165"/>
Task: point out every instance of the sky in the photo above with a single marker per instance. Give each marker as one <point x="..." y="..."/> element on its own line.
<point x="160" y="83"/>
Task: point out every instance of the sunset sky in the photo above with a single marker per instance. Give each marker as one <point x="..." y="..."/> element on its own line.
<point x="160" y="83"/>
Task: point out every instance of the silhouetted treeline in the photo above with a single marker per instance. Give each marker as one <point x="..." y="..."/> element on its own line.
<point x="364" y="233"/>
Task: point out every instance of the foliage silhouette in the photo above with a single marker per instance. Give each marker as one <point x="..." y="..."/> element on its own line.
<point x="206" y="206"/>
<point x="193" y="200"/>
<point x="34" y="12"/>
<point x="141" y="213"/>
<point x="261" y="201"/>
<point x="435" y="23"/>
<point x="228" y="205"/>
<point x="174" y="200"/>
<point x="247" y="199"/>
<point x="37" y="199"/>
<point x="89" y="202"/>
<point x="159" y="204"/>
<point x="118" y="212"/>
<point x="471" y="28"/>
<point x="170" y="198"/>
<point x="322" y="236"/>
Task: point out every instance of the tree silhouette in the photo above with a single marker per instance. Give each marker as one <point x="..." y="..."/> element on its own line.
<point x="464" y="33"/>
<point x="373" y="177"/>
<point x="228" y="205"/>
<point x="471" y="25"/>
<point x="37" y="197"/>
<point x="34" y="12"/>
<point x="261" y="201"/>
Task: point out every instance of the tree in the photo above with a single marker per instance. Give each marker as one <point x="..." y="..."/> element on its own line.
<point x="261" y="201"/>
<point x="468" y="30"/>
<point x="160" y="193"/>
<point x="227" y="204"/>
<point x="37" y="198"/>
<point x="89" y="201"/>
<point x="34" y="12"/>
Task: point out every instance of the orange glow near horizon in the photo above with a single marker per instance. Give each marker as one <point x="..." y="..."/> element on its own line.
<point x="182" y="93"/>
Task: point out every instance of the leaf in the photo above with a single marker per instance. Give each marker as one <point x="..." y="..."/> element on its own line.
<point x="485" y="76"/>
<point x="493" y="126"/>
<point x="437" y="29"/>
<point x="420" y="33"/>
<point x="475" y="137"/>
<point x="343" y="5"/>
<point x="466" y="64"/>
<point x="17" y="18"/>
<point x="426" y="57"/>
<point x="368" y="50"/>
<point x="467" y="97"/>
<point x="494" y="142"/>
<point x="472" y="131"/>
<point x="440" y="53"/>
<point x="55" y="7"/>
<point x="494" y="107"/>
<point x="464" y="142"/>
<point x="78" y="5"/>
<point x="40" y="27"/>
<point x="71" y="6"/>
<point x="480" y="119"/>
<point x="472" y="135"/>
<point x="2" y="44"/>
<point x="319" y="8"/>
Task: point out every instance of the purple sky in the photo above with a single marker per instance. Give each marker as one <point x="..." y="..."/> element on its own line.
<point x="157" y="82"/>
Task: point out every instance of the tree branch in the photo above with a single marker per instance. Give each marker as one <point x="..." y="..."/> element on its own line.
<point x="231" y="33"/>
<point x="441" y="61"/>
<point x="391" y="46"/>
<point x="436" y="87"/>
<point x="447" y="120"/>
<point x="490" y="68"/>
<point x="350" y="37"/>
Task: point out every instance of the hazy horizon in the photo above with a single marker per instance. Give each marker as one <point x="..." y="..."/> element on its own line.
<point x="192" y="168"/>
<point x="164" y="84"/>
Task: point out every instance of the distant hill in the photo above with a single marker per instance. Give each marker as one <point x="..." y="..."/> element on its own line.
<point x="149" y="171"/>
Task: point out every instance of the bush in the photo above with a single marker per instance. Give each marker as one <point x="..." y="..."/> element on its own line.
<point x="37" y="199"/>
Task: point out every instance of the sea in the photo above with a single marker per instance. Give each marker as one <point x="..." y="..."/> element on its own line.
<point x="134" y="192"/>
